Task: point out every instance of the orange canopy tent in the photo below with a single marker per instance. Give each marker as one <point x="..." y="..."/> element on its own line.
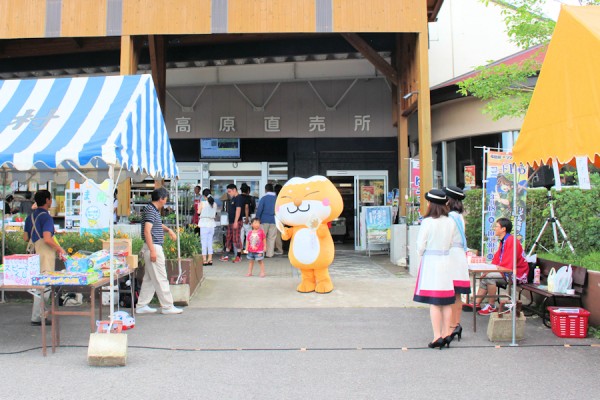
<point x="563" y="119"/>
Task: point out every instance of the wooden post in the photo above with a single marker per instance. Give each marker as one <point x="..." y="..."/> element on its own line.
<point x="129" y="55"/>
<point x="424" y="115"/>
<point x="402" y="125"/>
<point x="158" y="62"/>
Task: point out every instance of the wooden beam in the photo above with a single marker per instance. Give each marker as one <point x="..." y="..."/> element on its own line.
<point x="158" y="62"/>
<point x="373" y="56"/>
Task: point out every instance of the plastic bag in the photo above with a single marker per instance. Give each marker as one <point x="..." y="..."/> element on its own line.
<point x="551" y="280"/>
<point x="563" y="279"/>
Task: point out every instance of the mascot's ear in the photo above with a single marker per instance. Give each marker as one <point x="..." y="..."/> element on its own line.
<point x="278" y="224"/>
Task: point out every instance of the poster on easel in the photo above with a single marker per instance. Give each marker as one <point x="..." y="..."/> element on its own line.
<point x="378" y="224"/>
<point x="96" y="207"/>
<point x="500" y="197"/>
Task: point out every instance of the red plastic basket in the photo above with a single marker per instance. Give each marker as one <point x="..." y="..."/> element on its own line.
<point x="569" y="322"/>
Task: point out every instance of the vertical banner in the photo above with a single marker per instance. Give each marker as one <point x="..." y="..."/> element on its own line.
<point x="499" y="198"/>
<point x="415" y="191"/>
<point x="415" y="181"/>
<point x="469" y="176"/>
<point x="96" y="207"/>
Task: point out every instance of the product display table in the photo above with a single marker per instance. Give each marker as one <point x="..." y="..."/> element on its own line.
<point x="45" y="313"/>
<point x="476" y="270"/>
<point x="95" y="289"/>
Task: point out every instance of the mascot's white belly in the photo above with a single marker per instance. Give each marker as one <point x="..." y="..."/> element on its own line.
<point x="306" y="246"/>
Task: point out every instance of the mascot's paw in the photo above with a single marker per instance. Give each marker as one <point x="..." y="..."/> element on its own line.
<point x="324" y="287"/>
<point x="306" y="287"/>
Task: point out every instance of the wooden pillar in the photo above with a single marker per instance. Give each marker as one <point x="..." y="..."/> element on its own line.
<point x="424" y="114"/>
<point x="129" y="55"/>
<point x="401" y="122"/>
<point x="129" y="62"/>
<point x="158" y="63"/>
<point x="123" y="197"/>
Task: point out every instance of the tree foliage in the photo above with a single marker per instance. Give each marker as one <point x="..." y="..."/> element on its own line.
<point x="507" y="89"/>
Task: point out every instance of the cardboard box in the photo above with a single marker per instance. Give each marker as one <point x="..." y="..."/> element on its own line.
<point x="59" y="278"/>
<point x="132" y="261"/>
<point x="119" y="245"/>
<point x="77" y="264"/>
<point x="19" y="269"/>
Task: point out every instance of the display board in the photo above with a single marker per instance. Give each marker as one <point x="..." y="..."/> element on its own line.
<point x="219" y="148"/>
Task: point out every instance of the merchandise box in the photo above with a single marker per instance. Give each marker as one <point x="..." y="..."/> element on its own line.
<point x="80" y="265"/>
<point x="19" y="269"/>
<point x="99" y="260"/>
<point x="119" y="245"/>
<point x="68" y="278"/>
<point x="132" y="262"/>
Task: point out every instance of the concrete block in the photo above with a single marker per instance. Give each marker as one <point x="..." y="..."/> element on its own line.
<point x="107" y="349"/>
<point x="181" y="294"/>
<point x="500" y="329"/>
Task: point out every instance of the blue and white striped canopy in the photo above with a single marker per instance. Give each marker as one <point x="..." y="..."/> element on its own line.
<point x="49" y="126"/>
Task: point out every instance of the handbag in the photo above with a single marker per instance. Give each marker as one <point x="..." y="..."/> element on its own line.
<point x="224" y="219"/>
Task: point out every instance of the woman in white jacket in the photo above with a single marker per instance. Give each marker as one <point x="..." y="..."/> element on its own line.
<point x="435" y="285"/>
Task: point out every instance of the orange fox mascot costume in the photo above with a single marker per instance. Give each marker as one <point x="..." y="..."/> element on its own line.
<point x="307" y="205"/>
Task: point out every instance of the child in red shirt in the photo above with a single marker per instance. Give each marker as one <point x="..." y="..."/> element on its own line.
<point x="256" y="243"/>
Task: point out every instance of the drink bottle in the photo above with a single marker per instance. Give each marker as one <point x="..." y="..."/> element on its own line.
<point x="536" y="276"/>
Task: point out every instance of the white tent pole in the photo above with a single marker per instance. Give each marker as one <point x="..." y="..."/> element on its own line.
<point x="483" y="196"/>
<point x="177" y="226"/>
<point x="3" y="231"/>
<point x="514" y="274"/>
<point x="111" y="189"/>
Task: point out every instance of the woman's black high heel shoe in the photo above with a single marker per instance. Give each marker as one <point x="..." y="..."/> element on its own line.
<point x="447" y="341"/>
<point x="457" y="332"/>
<point x="438" y="343"/>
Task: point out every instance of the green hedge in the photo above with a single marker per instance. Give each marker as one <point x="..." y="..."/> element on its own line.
<point x="577" y="210"/>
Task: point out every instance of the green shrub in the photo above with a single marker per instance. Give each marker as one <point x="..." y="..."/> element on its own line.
<point x="14" y="243"/>
<point x="577" y="210"/>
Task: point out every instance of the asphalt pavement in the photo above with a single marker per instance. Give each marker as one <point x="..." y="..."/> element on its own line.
<point x="257" y="338"/>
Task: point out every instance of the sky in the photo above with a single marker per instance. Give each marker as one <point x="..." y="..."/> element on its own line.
<point x="552" y="7"/>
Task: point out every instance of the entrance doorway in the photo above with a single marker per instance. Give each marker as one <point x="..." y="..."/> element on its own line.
<point x="358" y="189"/>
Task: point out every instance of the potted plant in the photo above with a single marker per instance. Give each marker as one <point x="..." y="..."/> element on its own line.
<point x="135" y="218"/>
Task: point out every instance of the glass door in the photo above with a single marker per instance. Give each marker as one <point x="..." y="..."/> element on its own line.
<point x="370" y="189"/>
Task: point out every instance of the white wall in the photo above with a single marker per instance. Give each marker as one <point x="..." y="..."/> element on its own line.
<point x="467" y="34"/>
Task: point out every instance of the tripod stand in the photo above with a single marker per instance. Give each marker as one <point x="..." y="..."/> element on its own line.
<point x="555" y="222"/>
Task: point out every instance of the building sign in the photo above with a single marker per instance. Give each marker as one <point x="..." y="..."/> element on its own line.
<point x="362" y="123"/>
<point x="227" y="124"/>
<point x="272" y="124"/>
<point x="182" y="124"/>
<point x="316" y="123"/>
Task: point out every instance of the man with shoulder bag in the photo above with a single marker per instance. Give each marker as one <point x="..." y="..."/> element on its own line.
<point x="39" y="232"/>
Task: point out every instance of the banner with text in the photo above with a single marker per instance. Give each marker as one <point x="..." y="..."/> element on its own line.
<point x="500" y="198"/>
